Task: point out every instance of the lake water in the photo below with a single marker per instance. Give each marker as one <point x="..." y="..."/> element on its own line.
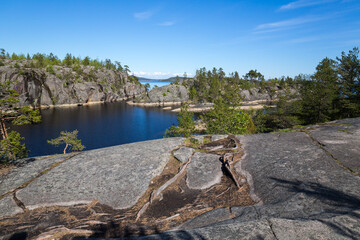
<point x="99" y="125"/>
<point x="155" y="83"/>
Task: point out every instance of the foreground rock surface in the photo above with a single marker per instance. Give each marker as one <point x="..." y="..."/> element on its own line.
<point x="86" y="177"/>
<point x="296" y="185"/>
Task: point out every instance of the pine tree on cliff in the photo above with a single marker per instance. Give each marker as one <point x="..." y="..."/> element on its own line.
<point x="10" y="144"/>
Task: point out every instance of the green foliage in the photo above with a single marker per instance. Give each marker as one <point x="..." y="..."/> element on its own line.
<point x="193" y="93"/>
<point x="25" y="115"/>
<point x="254" y="75"/>
<point x="69" y="139"/>
<point x="186" y="124"/>
<point x="11" y="148"/>
<point x="147" y="87"/>
<point x="164" y="94"/>
<point x="318" y="95"/>
<point x="225" y="119"/>
<point x="348" y="69"/>
<point x="2" y="63"/>
<point x="284" y="115"/>
<point x="50" y="69"/>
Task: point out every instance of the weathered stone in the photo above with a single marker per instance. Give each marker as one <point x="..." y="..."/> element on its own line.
<point x="198" y="138"/>
<point x="340" y="227"/>
<point x="204" y="171"/>
<point x="8" y="207"/>
<point x="281" y="165"/>
<point x="343" y="142"/>
<point x="169" y="93"/>
<point x="183" y="154"/>
<point x="29" y="168"/>
<point x="207" y="219"/>
<point x="218" y="137"/>
<point x="65" y="86"/>
<point x="116" y="176"/>
<point x="248" y="230"/>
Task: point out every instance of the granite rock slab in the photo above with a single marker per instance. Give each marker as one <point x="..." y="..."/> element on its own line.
<point x="203" y="171"/>
<point x="340" y="227"/>
<point x="279" y="166"/>
<point x="198" y="138"/>
<point x="26" y="170"/>
<point x="206" y="219"/>
<point x="8" y="207"/>
<point x="183" y="154"/>
<point x="117" y="176"/>
<point x="343" y="142"/>
<point x="249" y="230"/>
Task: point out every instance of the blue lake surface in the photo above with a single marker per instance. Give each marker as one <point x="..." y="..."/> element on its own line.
<point x="155" y="83"/>
<point x="100" y="125"/>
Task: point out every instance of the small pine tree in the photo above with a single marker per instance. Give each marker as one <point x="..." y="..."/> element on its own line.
<point x="11" y="147"/>
<point x="186" y="126"/>
<point x="69" y="139"/>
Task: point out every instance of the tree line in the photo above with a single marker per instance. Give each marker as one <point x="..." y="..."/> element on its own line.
<point x="332" y="92"/>
<point x="41" y="60"/>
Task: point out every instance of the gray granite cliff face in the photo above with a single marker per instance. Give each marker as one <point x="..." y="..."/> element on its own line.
<point x="37" y="87"/>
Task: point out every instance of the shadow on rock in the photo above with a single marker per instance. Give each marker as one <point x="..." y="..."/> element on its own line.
<point x="19" y="236"/>
<point x="329" y="196"/>
<point x="332" y="203"/>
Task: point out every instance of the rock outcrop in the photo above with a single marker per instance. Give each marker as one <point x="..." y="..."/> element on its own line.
<point x="294" y="185"/>
<point x="172" y="93"/>
<point x="63" y="85"/>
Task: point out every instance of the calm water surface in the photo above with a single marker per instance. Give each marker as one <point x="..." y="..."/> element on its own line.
<point x="100" y="125"/>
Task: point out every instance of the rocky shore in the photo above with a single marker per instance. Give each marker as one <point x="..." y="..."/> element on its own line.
<point x="66" y="86"/>
<point x="294" y="185"/>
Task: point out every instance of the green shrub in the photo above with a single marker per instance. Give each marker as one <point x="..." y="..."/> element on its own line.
<point x="50" y="69"/>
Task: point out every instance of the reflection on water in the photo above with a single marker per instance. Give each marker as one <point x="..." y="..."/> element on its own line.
<point x="100" y="125"/>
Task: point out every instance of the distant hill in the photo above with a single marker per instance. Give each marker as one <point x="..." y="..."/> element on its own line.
<point x="171" y="79"/>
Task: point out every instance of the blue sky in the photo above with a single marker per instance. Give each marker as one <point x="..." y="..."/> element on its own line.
<point x="158" y="39"/>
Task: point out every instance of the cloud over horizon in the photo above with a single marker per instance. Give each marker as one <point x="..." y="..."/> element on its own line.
<point x="159" y="74"/>
<point x="275" y="26"/>
<point x="304" y="3"/>
<point x="143" y="15"/>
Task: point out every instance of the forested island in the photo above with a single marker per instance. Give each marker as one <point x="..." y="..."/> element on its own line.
<point x="332" y="92"/>
<point x="42" y="81"/>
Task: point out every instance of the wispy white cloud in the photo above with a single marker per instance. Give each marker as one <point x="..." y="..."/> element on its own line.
<point x="167" y="24"/>
<point x="151" y="73"/>
<point x="281" y="25"/>
<point x="159" y="74"/>
<point x="143" y="15"/>
<point x="182" y="74"/>
<point x="304" y="3"/>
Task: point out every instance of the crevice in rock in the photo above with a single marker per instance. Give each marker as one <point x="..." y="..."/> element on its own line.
<point x="322" y="146"/>
<point x="271" y="228"/>
<point x="19" y="203"/>
<point x="24" y="185"/>
<point x="157" y="193"/>
<point x="171" y="181"/>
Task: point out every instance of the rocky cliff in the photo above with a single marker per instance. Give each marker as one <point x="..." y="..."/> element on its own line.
<point x="60" y="85"/>
<point x="167" y="93"/>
